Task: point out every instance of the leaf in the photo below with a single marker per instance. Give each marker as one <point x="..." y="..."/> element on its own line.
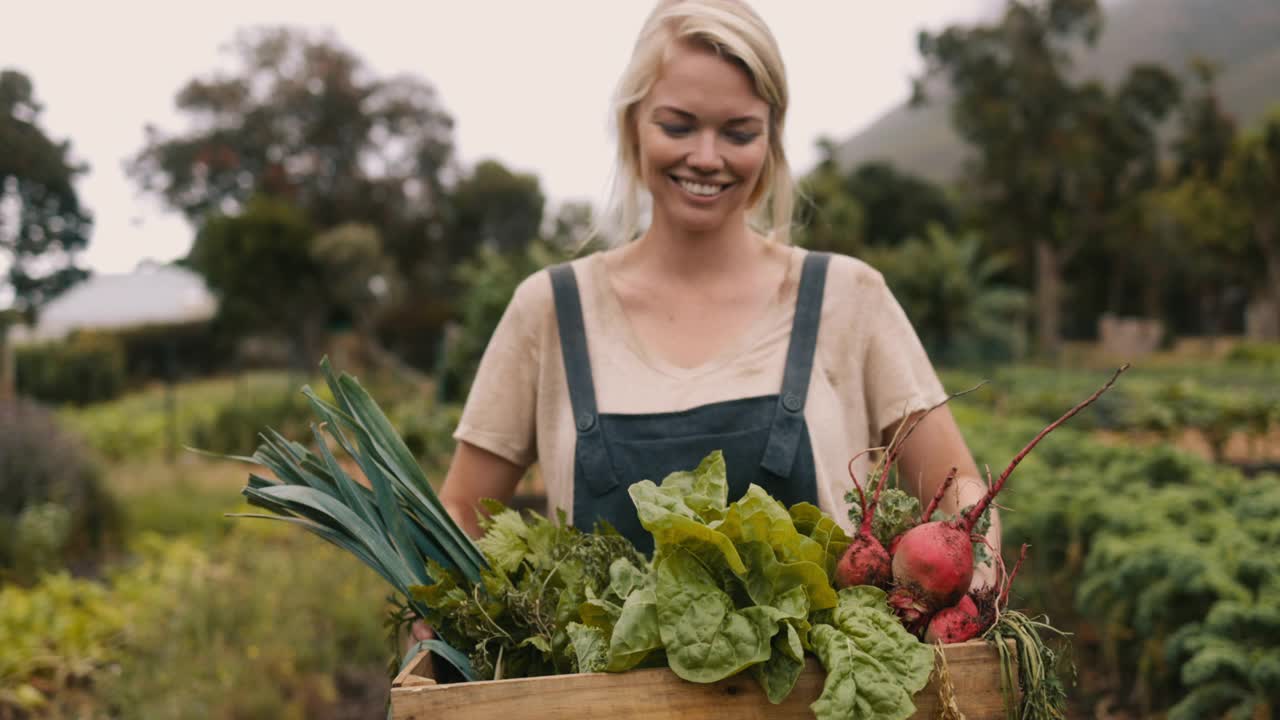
<point x="636" y="633"/>
<point x="896" y="513"/>
<point x="590" y="646"/>
<point x="771" y="583"/>
<point x="778" y="675"/>
<point x="857" y="686"/>
<point x="706" y="637"/>
<point x="443" y="650"/>
<point x="822" y="529"/>
<point x="624" y="578"/>
<point x="504" y="544"/>
<point x="863" y="614"/>
<point x="705" y="490"/>
<point x="759" y="517"/>
<point x="673" y="524"/>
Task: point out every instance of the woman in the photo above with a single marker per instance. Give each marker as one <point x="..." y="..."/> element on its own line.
<point x="708" y="330"/>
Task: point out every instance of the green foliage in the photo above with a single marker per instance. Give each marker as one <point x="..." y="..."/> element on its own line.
<point x="519" y="620"/>
<point x="37" y="184"/>
<point x="1215" y="401"/>
<point x="1258" y="354"/>
<point x="261" y="264"/>
<point x="747" y="585"/>
<point x="494" y="208"/>
<point x="41" y="464"/>
<point x="897" y="205"/>
<point x="86" y="368"/>
<point x="136" y="426"/>
<point x="1058" y="160"/>
<point x="950" y="288"/>
<point x="897" y="513"/>
<point x="275" y="618"/>
<point x="874" y="666"/>
<point x="300" y="116"/>
<point x="489" y="281"/>
<point x="1165" y="555"/>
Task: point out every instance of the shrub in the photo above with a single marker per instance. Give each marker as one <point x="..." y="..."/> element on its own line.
<point x="86" y="368"/>
<point x="41" y="464"/>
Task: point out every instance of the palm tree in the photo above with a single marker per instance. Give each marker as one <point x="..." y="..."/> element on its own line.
<point x="949" y="288"/>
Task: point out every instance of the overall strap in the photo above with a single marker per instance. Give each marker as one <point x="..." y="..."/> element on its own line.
<point x="788" y="419"/>
<point x="591" y="451"/>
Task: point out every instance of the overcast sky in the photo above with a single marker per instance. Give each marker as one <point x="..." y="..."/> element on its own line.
<point x="528" y="83"/>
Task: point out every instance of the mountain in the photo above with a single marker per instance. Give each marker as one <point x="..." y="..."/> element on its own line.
<point x="1242" y="37"/>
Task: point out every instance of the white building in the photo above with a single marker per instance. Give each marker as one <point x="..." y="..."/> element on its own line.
<point x="151" y="294"/>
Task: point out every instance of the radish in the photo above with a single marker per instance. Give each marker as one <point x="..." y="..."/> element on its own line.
<point x="970" y="617"/>
<point x="865" y="562"/>
<point x="933" y="563"/>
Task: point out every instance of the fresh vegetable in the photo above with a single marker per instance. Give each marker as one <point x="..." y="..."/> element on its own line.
<point x="933" y="562"/>
<point x="747" y="585"/>
<point x="865" y="562"/>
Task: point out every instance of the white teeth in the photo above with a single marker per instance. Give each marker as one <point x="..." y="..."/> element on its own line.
<point x="700" y="189"/>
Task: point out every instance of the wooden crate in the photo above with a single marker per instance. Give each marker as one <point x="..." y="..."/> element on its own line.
<point x="974" y="668"/>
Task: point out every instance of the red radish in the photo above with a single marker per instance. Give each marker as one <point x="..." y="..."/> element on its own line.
<point x="865" y="562"/>
<point x="933" y="562"/>
<point x="970" y="617"/>
<point x="958" y="623"/>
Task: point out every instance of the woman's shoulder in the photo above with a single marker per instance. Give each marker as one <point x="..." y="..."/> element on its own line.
<point x="534" y="296"/>
<point x="848" y="274"/>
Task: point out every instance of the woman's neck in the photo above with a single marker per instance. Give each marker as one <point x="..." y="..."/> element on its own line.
<point x="730" y="249"/>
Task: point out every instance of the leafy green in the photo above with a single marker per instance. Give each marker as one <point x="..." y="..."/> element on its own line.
<point x="897" y="512"/>
<point x="863" y="614"/>
<point x="822" y="529"/>
<point x="545" y="577"/>
<point x="590" y="646"/>
<point x="857" y="684"/>
<point x="778" y="675"/>
<point x="706" y="637"/>
<point x="636" y="634"/>
<point x="747" y="585"/>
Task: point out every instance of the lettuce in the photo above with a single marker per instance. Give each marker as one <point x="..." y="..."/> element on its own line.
<point x="747" y="586"/>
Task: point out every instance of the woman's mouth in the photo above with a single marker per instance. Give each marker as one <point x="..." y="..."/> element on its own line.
<point x="701" y="190"/>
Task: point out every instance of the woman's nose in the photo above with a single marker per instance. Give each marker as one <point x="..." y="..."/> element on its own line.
<point x="704" y="155"/>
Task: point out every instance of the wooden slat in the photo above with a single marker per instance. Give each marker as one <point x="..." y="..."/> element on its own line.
<point x="659" y="694"/>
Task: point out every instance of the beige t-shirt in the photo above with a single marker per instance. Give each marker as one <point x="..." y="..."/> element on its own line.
<point x="869" y="371"/>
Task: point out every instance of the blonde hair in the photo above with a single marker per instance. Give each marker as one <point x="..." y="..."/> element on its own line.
<point x="736" y="32"/>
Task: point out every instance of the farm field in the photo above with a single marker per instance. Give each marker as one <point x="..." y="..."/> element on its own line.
<point x="1149" y="543"/>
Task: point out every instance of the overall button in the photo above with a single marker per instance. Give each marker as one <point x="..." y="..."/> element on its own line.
<point x="791" y="402"/>
<point x="586" y="421"/>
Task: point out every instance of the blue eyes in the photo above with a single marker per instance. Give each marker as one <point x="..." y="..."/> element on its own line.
<point x="735" y="136"/>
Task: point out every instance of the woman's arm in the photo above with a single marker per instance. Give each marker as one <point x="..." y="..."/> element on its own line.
<point x="475" y="473"/>
<point x="928" y="455"/>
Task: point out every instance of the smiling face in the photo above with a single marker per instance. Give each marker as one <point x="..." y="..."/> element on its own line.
<point x="703" y="139"/>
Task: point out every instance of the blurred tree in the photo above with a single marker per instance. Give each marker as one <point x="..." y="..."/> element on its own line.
<point x="949" y="286"/>
<point x="262" y="265"/>
<point x="42" y="224"/>
<point x="1015" y="104"/>
<point x="1254" y="175"/>
<point x="572" y="227"/>
<point x="488" y="281"/>
<point x="1201" y="241"/>
<point x="828" y="217"/>
<point x="495" y="208"/>
<point x="1207" y="132"/>
<point x="897" y="205"/>
<point x="304" y="120"/>
<point x="1108" y="163"/>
